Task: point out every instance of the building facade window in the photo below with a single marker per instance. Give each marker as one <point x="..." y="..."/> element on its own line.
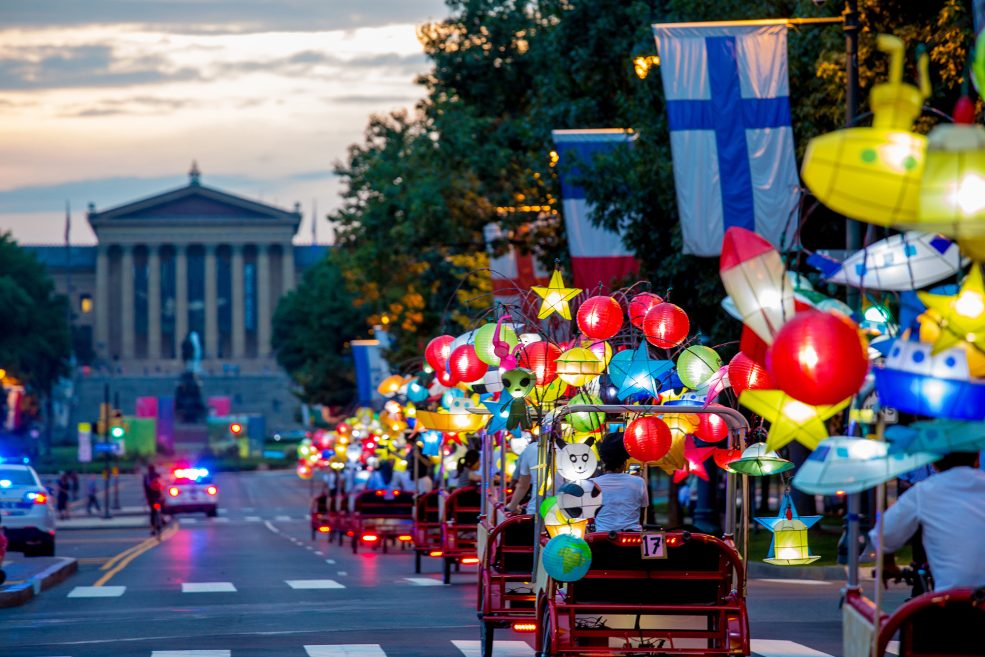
<point x="85" y="304"/>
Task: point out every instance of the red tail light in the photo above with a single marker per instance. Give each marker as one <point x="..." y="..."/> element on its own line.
<point x="396" y="493"/>
<point x="435" y="553"/>
<point x="39" y="498"/>
<point x="173" y="491"/>
<point x="469" y="561"/>
<point x="630" y="540"/>
<point x="379" y="493"/>
<point x="673" y="541"/>
<point x="350" y="533"/>
<point x="324" y="529"/>
<point x="212" y="490"/>
<point x="370" y="538"/>
<point x="406" y="538"/>
<point x="524" y="627"/>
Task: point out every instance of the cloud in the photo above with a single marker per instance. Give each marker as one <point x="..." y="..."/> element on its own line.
<point x="220" y="16"/>
<point x="133" y="105"/>
<point x="308" y="62"/>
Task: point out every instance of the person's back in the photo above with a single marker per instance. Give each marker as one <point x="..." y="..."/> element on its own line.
<point x="950" y="507"/>
<point x="624" y="496"/>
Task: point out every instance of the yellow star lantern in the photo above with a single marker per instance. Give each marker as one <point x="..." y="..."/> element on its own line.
<point x="930" y="331"/>
<point x="962" y="317"/>
<point x="790" y="419"/>
<point x="556" y="297"/>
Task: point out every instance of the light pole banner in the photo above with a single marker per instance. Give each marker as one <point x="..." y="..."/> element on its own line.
<point x="728" y="109"/>
<point x="512" y="272"/>
<point x="597" y="254"/>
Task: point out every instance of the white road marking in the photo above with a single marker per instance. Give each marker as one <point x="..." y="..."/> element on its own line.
<point x="343" y="573"/>
<point x="314" y="584"/>
<point x="500" y="648"/>
<point x="247" y="508"/>
<point x="329" y="560"/>
<point x="271" y="527"/>
<point x="775" y="648"/>
<point x="252" y="518"/>
<point x="282" y="518"/>
<point x="800" y="582"/>
<point x="191" y="653"/>
<point x="351" y="650"/>
<point x="189" y="521"/>
<point x="892" y="648"/>
<point x="97" y="591"/>
<point x="220" y="519"/>
<point x="207" y="587"/>
<point x="320" y="553"/>
<point x="423" y="581"/>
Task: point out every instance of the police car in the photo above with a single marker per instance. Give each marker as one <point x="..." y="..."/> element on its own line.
<point x="27" y="511"/>
<point x="189" y="490"/>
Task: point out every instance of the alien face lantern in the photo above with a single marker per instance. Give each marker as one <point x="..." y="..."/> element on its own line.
<point x="519" y="382"/>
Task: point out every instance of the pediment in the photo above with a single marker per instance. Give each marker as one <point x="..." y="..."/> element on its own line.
<point x="194" y="202"/>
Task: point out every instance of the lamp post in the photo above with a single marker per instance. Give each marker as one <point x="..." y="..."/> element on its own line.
<point x="851" y="26"/>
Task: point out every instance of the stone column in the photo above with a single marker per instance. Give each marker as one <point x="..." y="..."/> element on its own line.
<point x="102" y="301"/>
<point x="153" y="302"/>
<point x="287" y="268"/>
<point x="236" y="276"/>
<point x="126" y="302"/>
<point x="180" y="296"/>
<point x="264" y="310"/>
<point x="211" y="304"/>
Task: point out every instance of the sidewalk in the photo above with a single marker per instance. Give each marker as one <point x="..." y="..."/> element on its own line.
<point x="128" y="517"/>
<point x="28" y="577"/>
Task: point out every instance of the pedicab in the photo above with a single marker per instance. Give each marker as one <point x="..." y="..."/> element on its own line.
<point x="379" y="518"/>
<point x="427" y="527"/>
<point x="459" y="534"/>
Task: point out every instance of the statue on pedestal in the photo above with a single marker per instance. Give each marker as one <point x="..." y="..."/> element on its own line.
<point x="188" y="404"/>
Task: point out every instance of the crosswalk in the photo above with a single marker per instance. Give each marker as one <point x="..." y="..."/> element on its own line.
<point x="230" y="587"/>
<point x="464" y="648"/>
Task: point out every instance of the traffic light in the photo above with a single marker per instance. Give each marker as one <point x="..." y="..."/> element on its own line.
<point x="235" y="428"/>
<point x="116" y="428"/>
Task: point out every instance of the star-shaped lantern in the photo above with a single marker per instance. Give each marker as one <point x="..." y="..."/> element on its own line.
<point x="790" y="419"/>
<point x="500" y="412"/>
<point x="642" y="373"/>
<point x="962" y="316"/>
<point x="694" y="461"/>
<point x="789" y="545"/>
<point x="556" y="297"/>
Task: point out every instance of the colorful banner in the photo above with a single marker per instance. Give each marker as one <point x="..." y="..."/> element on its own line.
<point x="512" y="272"/>
<point x="371" y="369"/>
<point x="728" y="109"/>
<point x="598" y="256"/>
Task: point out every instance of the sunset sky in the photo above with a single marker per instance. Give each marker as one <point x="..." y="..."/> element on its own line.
<point x="111" y="100"/>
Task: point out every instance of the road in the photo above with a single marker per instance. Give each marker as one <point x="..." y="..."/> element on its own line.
<point x="252" y="583"/>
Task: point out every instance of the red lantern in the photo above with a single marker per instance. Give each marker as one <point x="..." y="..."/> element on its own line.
<point x="464" y="363"/>
<point x="666" y="325"/>
<point x="445" y="378"/>
<point x="711" y="427"/>
<point x="438" y="351"/>
<point x="600" y="317"/>
<point x="744" y="373"/>
<point x="725" y="456"/>
<point x="647" y="439"/>
<point x="541" y="359"/>
<point x="640" y="305"/>
<point x="818" y="358"/>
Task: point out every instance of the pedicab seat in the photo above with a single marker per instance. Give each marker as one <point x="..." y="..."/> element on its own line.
<point x="938" y="624"/>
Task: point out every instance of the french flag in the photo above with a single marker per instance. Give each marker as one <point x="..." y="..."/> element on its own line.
<point x="512" y="272"/>
<point x="598" y="256"/>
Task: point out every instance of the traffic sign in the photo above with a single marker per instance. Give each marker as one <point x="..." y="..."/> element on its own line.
<point x="103" y="448"/>
<point x="85" y="442"/>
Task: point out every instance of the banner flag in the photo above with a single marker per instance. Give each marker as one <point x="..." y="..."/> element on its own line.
<point x="598" y="255"/>
<point x="728" y="109"/>
<point x="512" y="269"/>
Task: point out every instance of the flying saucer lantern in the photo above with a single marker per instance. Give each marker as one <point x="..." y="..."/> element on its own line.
<point x="936" y="436"/>
<point x="874" y="174"/>
<point x="841" y="464"/>
<point x="465" y="422"/>
<point x="914" y="380"/>
<point x="755" y="278"/>
<point x="789" y="546"/>
<point x="908" y="261"/>
<point x="758" y="461"/>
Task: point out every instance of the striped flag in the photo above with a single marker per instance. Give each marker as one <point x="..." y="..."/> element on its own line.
<point x="512" y="270"/>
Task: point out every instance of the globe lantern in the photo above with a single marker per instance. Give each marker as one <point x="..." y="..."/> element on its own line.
<point x="647" y="439"/>
<point x="438" y="351"/>
<point x="640" y="305"/>
<point x="666" y="325"/>
<point x="696" y="365"/>
<point x="818" y="358"/>
<point x="541" y="359"/>
<point x="600" y="317"/>
<point x="744" y="373"/>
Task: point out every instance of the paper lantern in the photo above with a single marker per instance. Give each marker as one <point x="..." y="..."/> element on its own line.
<point x="579" y="500"/>
<point x="576" y="460"/>
<point x="585" y="420"/>
<point x="930" y="331"/>
<point x="962" y="316"/>
<point x="758" y="461"/>
<point x="391" y="385"/>
<point x="746" y="374"/>
<point x="818" y="358"/>
<point x="567" y="558"/>
<point x="438" y="351"/>
<point x="600" y="317"/>
<point x="790" y="418"/>
<point x="541" y="359"/>
<point x="696" y="365"/>
<point x="640" y="305"/>
<point x="555" y="297"/>
<point x="725" y="457"/>
<point x="445" y="378"/>
<point x="578" y="366"/>
<point x="712" y="428"/>
<point x="601" y="349"/>
<point x="755" y="278"/>
<point x="305" y="472"/>
<point x="484" y="347"/>
<point x="464" y="363"/>
<point x="874" y="174"/>
<point x="851" y="465"/>
<point x="647" y="439"/>
<point x="789" y="544"/>
<point x="643" y="374"/>
<point x="666" y="325"/>
<point x="451" y="422"/>
<point x="546" y="397"/>
<point x="937" y="436"/>
<point x="907" y="261"/>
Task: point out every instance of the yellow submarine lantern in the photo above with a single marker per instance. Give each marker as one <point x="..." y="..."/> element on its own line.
<point x="874" y="174"/>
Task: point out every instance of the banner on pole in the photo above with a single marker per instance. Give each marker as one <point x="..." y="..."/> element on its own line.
<point x="728" y="109"/>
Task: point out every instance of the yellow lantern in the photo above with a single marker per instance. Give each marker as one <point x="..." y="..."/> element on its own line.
<point x="874" y="174"/>
<point x="578" y="366"/>
<point x="680" y="424"/>
<point x="556" y="297"/>
<point x="930" y="331"/>
<point x="789" y="418"/>
<point x="451" y="422"/>
<point x="790" y="544"/>
<point x="962" y="316"/>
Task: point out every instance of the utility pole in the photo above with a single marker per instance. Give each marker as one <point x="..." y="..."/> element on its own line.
<point x="853" y="229"/>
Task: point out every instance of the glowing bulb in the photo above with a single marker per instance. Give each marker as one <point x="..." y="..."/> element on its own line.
<point x="798" y="411"/>
<point x="808" y="357"/>
<point x="970" y="195"/>
<point x="771" y="298"/>
<point x="969" y="304"/>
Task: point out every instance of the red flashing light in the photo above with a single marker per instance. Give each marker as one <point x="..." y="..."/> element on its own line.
<point x="435" y="553"/>
<point x="324" y="529"/>
<point x="235" y="428"/>
<point x="40" y="498"/>
<point x="469" y="561"/>
<point x="406" y="538"/>
<point x="370" y="538"/>
<point x="350" y="533"/>
<point x="173" y="491"/>
<point x="524" y="627"/>
<point x="212" y="490"/>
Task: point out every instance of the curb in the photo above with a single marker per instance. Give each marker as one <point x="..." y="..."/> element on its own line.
<point x="18" y="594"/>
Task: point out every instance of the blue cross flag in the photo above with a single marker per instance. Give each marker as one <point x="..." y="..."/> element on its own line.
<point x="728" y="108"/>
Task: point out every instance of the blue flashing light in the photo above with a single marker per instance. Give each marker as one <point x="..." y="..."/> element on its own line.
<point x="5" y="483"/>
<point x="191" y="473"/>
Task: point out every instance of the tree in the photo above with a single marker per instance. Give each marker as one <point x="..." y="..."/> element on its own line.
<point x="312" y="328"/>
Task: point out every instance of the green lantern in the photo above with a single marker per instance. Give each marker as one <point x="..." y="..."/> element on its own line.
<point x="484" y="342"/>
<point x="696" y="365"/>
<point x="587" y="421"/>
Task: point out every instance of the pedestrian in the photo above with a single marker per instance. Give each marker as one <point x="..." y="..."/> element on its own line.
<point x="74" y="485"/>
<point x="61" y="496"/>
<point x="92" y="490"/>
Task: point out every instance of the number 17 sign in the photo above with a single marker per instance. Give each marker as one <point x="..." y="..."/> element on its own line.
<point x="654" y="545"/>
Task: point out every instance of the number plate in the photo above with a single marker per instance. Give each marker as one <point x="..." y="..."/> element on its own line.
<point x="654" y="545"/>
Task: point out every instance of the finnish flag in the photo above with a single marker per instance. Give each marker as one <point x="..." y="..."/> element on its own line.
<point x="728" y="109"/>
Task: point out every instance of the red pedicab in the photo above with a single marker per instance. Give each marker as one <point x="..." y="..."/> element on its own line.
<point x="379" y="518"/>
<point x="459" y="529"/>
<point x="427" y="527"/>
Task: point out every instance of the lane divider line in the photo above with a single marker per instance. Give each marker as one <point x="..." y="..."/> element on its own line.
<point x="144" y="547"/>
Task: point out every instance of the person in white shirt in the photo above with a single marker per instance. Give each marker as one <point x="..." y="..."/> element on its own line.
<point x="624" y="496"/>
<point x="950" y="507"/>
<point x="526" y="473"/>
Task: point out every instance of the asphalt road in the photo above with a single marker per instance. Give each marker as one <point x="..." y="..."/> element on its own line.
<point x="252" y="583"/>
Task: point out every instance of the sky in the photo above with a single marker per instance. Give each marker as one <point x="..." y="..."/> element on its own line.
<point x="108" y="101"/>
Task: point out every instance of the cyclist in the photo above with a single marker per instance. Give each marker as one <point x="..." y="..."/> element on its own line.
<point x="154" y="493"/>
